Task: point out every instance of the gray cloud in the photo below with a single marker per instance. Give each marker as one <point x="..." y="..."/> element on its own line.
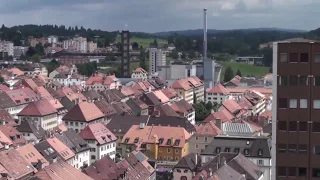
<point x="162" y="15"/>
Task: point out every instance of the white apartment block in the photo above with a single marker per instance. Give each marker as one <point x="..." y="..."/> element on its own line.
<point x="92" y="46"/>
<point x="19" y="50"/>
<point x="52" y="39"/>
<point x="157" y="57"/>
<point x="78" y="43"/>
<point x="6" y="46"/>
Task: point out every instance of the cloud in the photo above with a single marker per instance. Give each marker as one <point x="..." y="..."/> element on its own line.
<point x="162" y="15"/>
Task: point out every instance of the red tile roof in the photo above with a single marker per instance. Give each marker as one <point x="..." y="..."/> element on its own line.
<point x="84" y="111"/>
<point x="170" y="93"/>
<point x="4" y="87"/>
<point x="195" y="81"/>
<point x="38" y="108"/>
<point x="265" y="91"/>
<point x="100" y="78"/>
<point x="182" y="106"/>
<point x="162" y="97"/>
<point x="14" y="164"/>
<point x="16" y="72"/>
<point x="182" y="84"/>
<point x="7" y="118"/>
<point x="98" y="132"/>
<point x="29" y="83"/>
<point x="32" y="156"/>
<point x="61" y="170"/>
<point x="19" y="96"/>
<point x="223" y="114"/>
<point x="43" y="93"/>
<point x="15" y="136"/>
<point x="127" y="91"/>
<point x="64" y="151"/>
<point x="68" y="92"/>
<point x="139" y="70"/>
<point x="208" y="129"/>
<point x="218" y="89"/>
<point x="231" y="105"/>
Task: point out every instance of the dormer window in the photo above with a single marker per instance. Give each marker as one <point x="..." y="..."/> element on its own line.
<point x="136" y="140"/>
<point x="246" y="152"/>
<point x="260" y="152"/>
<point x="126" y="140"/>
<point x="169" y="142"/>
<point x="218" y="150"/>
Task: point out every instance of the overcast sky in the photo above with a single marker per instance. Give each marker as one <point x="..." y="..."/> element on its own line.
<point x="162" y="15"/>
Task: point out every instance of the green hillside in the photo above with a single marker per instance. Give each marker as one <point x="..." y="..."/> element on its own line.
<point x="144" y="42"/>
<point x="246" y="69"/>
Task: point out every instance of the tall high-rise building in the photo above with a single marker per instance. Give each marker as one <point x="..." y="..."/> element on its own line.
<point x="125" y="52"/>
<point x="157" y="57"/>
<point x="296" y="110"/>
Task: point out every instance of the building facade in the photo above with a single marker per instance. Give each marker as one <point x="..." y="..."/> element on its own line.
<point x="295" y="122"/>
<point x="157" y="57"/>
<point x="6" y="46"/>
<point x="92" y="46"/>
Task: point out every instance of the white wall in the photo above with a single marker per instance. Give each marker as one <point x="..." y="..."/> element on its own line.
<point x="81" y="158"/>
<point x="216" y="98"/>
<point x="183" y="172"/>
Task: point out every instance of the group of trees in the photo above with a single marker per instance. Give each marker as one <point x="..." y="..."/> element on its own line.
<point x="203" y="109"/>
<point x="87" y="69"/>
<point x="229" y="74"/>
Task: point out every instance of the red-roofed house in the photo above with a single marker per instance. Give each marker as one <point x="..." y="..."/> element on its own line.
<point x="171" y="94"/>
<point x="184" y="90"/>
<point x="234" y="108"/>
<point x="184" y="109"/>
<point x="63" y="150"/>
<point x="101" y="140"/>
<point x="204" y="134"/>
<point x="82" y="115"/>
<point x="101" y="82"/>
<point x="139" y="74"/>
<point x="217" y="94"/>
<point x="224" y="115"/>
<point x="42" y="112"/>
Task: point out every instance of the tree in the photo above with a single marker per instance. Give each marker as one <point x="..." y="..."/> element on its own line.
<point x="201" y="111"/>
<point x="209" y="105"/>
<point x="192" y="54"/>
<point x="183" y="56"/>
<point x="39" y="49"/>
<point x="31" y="51"/>
<point x="135" y="46"/>
<point x="239" y="73"/>
<point x="53" y="64"/>
<point x="35" y="58"/>
<point x="155" y="42"/>
<point x="194" y="99"/>
<point x="143" y="63"/>
<point x="174" y="54"/>
<point x="1" y="79"/>
<point x="228" y="74"/>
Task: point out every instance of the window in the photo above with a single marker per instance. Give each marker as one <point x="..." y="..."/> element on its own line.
<point x="303" y="149"/>
<point x="93" y="157"/>
<point x="304" y="57"/>
<point x="317" y="80"/>
<point x="303" y="126"/>
<point x="197" y="146"/>
<point x="302" y="172"/>
<point x="293" y="80"/>
<point x="316" y="172"/>
<point x="177" y="151"/>
<point x="197" y="138"/>
<point x="292" y="103"/>
<point x="246" y="152"/>
<point x="283" y="103"/>
<point x="160" y="149"/>
<point x="185" y="171"/>
<point x="178" y="170"/>
<point x="282" y="148"/>
<point x="303" y="80"/>
<point x="303" y="103"/>
<point x="183" y="178"/>
<point x="315" y="127"/>
<point x="260" y="162"/>
<point x="292" y="171"/>
<point x="227" y="150"/>
<point x="316" y="150"/>
<point x="218" y="150"/>
<point x="294" y="57"/>
<point x="283" y="80"/>
<point x="283" y="57"/>
<point x="168" y="150"/>
<point x="282" y="125"/>
<point x="292" y="148"/>
<point x="236" y="150"/>
<point x="293" y="126"/>
<point x="260" y="152"/>
<point x="316" y="104"/>
<point x="317" y="58"/>
<point x="282" y="171"/>
<point x="168" y="158"/>
<point x="205" y="139"/>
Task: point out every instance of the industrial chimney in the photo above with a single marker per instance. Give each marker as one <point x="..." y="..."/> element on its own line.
<point x="204" y="34"/>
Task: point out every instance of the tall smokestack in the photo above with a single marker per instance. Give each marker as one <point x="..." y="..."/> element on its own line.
<point x="204" y="34"/>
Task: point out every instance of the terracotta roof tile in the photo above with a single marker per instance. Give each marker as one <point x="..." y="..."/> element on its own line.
<point x="208" y="129"/>
<point x="7" y="118"/>
<point x="231" y="105"/>
<point x="218" y="89"/>
<point x="43" y="93"/>
<point x="61" y="170"/>
<point x="166" y="110"/>
<point x="32" y="156"/>
<point x="159" y="94"/>
<point x="29" y="83"/>
<point x="105" y="107"/>
<point x="182" y="84"/>
<point x="14" y="164"/>
<point x="223" y="114"/>
<point x="182" y="106"/>
<point x="64" y="151"/>
<point x="16" y="72"/>
<point x="22" y="96"/>
<point x="84" y="111"/>
<point x="122" y="108"/>
<point x="151" y="134"/>
<point x="170" y="93"/>
<point x="98" y="132"/>
<point x="139" y="70"/>
<point x="15" y="136"/>
<point x="127" y="91"/>
<point x="38" y="108"/>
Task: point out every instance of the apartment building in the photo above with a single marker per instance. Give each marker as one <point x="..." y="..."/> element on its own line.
<point x="295" y="115"/>
<point x="81" y="115"/>
<point x="101" y="82"/>
<point x="157" y="142"/>
<point x="52" y="40"/>
<point x="198" y="88"/>
<point x="77" y="43"/>
<point x="41" y="112"/>
<point x="217" y="94"/>
<point x="204" y="134"/>
<point x="92" y="46"/>
<point x="184" y="90"/>
<point x="102" y="141"/>
<point x="185" y="110"/>
<point x="7" y="47"/>
<point x="157" y="57"/>
<point x="19" y="50"/>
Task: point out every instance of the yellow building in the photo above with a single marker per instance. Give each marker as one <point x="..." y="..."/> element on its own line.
<point x="157" y="142"/>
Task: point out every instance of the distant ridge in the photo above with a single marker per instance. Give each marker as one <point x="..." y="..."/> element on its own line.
<point x="199" y="32"/>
